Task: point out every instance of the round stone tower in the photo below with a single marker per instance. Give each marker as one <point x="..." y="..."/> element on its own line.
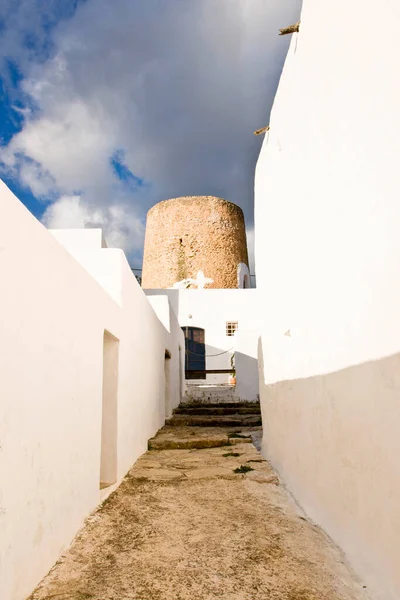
<point x="193" y="240"/>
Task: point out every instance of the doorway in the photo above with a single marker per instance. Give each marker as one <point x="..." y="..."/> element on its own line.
<point x="167" y="377"/>
<point x="195" y="353"/>
<point x="181" y="367"/>
<point x="109" y="419"/>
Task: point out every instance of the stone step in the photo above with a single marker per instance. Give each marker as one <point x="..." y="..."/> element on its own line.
<point x="184" y="438"/>
<point x="246" y="420"/>
<point x="216" y="410"/>
<point x="211" y="393"/>
<point x="210" y="405"/>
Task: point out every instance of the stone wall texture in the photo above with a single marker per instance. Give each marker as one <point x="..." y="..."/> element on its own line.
<point x="191" y="234"/>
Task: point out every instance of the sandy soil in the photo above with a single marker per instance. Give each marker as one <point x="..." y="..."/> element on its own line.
<point x="184" y="525"/>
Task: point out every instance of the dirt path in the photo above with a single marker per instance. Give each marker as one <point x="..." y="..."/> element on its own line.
<point x="185" y="526"/>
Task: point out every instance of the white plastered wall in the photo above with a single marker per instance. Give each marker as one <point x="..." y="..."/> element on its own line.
<point x="210" y="310"/>
<point x="53" y="314"/>
<point x="77" y="240"/>
<point x="328" y="262"/>
<point x="246" y="364"/>
<point x="177" y="386"/>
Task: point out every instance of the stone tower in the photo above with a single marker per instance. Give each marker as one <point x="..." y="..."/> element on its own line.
<point x="193" y="234"/>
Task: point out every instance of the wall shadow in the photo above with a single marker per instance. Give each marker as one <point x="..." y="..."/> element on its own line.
<point x="334" y="439"/>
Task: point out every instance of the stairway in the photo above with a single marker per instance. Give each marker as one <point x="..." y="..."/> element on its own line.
<point x="243" y="414"/>
<point x="211" y="393"/>
<point x="209" y="425"/>
<point x="193" y="520"/>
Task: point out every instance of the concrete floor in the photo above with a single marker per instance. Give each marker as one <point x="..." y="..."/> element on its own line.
<point x="185" y="526"/>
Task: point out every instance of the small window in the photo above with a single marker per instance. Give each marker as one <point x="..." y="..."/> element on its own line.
<point x="231" y="327"/>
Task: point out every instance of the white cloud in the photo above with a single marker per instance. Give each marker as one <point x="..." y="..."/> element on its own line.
<point x="28" y="21"/>
<point x="121" y="227"/>
<point x="70" y="213"/>
<point x="32" y="176"/>
<point x="178" y="85"/>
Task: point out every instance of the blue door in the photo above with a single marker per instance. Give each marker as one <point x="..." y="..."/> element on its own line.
<point x="195" y="353"/>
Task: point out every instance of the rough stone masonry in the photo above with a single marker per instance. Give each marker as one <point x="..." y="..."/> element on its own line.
<point x="191" y="234"/>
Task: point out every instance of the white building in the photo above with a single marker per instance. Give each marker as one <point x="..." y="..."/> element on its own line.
<point x="229" y="320"/>
<point x="90" y="370"/>
<point x="91" y="366"/>
<point x="85" y="383"/>
<point x="328" y="262"/>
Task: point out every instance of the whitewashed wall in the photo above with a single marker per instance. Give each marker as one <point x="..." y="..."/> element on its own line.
<point x="328" y="263"/>
<point x="176" y="364"/>
<point x="53" y="315"/>
<point x="246" y="363"/>
<point x="210" y="310"/>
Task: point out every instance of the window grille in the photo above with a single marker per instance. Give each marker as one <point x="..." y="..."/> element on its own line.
<point x="231" y="327"/>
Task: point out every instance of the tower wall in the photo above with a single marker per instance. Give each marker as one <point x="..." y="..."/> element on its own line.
<point x="191" y="234"/>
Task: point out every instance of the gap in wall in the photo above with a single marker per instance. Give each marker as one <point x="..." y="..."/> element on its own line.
<point x="109" y="421"/>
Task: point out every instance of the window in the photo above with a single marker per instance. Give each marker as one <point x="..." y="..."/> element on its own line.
<point x="231" y="327"/>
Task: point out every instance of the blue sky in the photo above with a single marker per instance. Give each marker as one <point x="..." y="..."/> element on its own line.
<point x="109" y="107"/>
<point x="32" y="42"/>
<point x="12" y="122"/>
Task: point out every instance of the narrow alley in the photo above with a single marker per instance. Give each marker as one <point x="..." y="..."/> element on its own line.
<point x="200" y="516"/>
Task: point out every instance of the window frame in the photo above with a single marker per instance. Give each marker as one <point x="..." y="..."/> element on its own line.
<point x="231" y="327"/>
